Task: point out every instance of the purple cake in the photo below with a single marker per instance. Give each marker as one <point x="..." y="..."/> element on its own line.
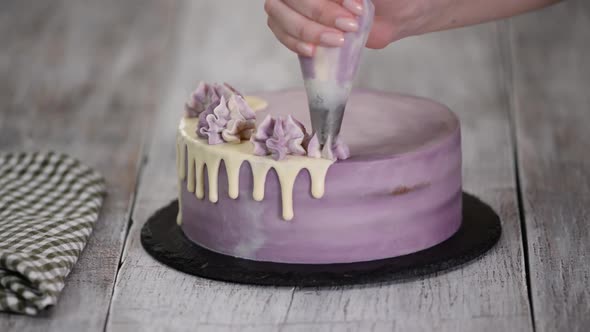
<point x="399" y="191"/>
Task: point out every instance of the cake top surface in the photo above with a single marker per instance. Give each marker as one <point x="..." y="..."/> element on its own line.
<point x="376" y="124"/>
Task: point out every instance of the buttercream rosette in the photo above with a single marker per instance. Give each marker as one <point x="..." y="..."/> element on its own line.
<point x="279" y="137"/>
<point x="333" y="149"/>
<point x="224" y="116"/>
<point x="231" y="121"/>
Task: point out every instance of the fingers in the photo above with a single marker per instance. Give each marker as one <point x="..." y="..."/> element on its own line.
<point x="300" y="27"/>
<point x="355" y="6"/>
<point x="327" y="13"/>
<point x="295" y="45"/>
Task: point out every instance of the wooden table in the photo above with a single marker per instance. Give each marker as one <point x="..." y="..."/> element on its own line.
<point x="105" y="81"/>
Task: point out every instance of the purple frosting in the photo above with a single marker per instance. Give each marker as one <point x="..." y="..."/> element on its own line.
<point x="206" y="95"/>
<point x="198" y="101"/>
<point x="224" y="116"/>
<point x="231" y="121"/>
<point x="242" y="120"/>
<point x="214" y="122"/>
<point x="336" y="150"/>
<point x="280" y="137"/>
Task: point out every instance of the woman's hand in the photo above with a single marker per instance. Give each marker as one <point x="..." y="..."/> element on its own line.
<point x="302" y="24"/>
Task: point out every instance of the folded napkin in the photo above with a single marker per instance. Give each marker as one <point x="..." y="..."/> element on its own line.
<point x="48" y="205"/>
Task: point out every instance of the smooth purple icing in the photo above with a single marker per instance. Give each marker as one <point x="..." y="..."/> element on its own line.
<point x="398" y="193"/>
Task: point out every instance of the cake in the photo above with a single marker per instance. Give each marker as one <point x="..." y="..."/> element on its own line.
<point x="258" y="181"/>
<point x="390" y="187"/>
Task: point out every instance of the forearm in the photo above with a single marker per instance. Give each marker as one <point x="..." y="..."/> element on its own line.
<point x="448" y="14"/>
<point x="301" y="25"/>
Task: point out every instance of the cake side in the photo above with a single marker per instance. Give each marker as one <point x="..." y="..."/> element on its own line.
<point x="388" y="199"/>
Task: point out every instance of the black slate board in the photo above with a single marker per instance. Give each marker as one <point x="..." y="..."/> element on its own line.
<point x="163" y="239"/>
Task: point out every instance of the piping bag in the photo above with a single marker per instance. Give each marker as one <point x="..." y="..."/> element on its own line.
<point x="328" y="77"/>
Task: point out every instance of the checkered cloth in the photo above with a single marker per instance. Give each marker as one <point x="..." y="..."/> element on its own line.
<point x="48" y="205"/>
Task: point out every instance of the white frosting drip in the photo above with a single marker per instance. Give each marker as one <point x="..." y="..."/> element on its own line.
<point x="196" y="153"/>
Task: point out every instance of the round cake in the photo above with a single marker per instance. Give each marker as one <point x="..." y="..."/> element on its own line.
<point x="398" y="193"/>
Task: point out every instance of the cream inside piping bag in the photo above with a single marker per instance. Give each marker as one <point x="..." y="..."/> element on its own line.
<point x="329" y="74"/>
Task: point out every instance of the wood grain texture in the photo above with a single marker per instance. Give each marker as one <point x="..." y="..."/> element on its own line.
<point x="551" y="51"/>
<point x="153" y="297"/>
<point x="81" y="78"/>
<point x="464" y="69"/>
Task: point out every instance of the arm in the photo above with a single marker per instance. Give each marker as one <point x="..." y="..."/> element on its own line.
<point x="398" y="19"/>
<point x="302" y="24"/>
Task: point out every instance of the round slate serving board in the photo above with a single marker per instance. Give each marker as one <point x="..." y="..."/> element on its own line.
<point x="163" y="239"/>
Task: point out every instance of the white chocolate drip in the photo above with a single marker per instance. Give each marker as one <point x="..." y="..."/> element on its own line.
<point x="196" y="153"/>
<point x="256" y="103"/>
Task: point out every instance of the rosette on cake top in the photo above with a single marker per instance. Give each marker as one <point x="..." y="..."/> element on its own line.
<point x="224" y="115"/>
<point x="279" y="137"/>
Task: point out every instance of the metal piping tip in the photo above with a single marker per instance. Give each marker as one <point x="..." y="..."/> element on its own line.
<point x="326" y="122"/>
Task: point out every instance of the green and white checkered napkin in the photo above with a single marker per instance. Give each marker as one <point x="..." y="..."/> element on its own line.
<point x="48" y="205"/>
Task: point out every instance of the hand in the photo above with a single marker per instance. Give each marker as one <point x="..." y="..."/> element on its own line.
<point x="302" y="24"/>
<point x="397" y="19"/>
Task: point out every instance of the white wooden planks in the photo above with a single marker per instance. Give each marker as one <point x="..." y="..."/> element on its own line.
<point x="75" y="76"/>
<point x="551" y="54"/>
